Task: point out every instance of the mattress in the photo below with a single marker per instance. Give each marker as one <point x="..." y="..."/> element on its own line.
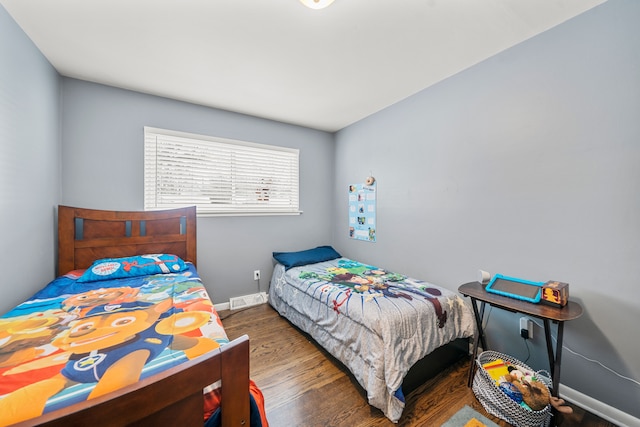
<point x="76" y="340"/>
<point x="378" y="323"/>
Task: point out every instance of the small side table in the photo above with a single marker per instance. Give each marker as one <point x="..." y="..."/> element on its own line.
<point x="548" y="314"/>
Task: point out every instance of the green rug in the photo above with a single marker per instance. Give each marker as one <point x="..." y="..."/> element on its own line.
<point x="468" y="417"/>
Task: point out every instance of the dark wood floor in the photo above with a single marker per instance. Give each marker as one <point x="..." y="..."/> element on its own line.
<point x="304" y="386"/>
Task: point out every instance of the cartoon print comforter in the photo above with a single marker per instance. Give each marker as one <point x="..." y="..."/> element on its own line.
<point x="376" y="322"/>
<point x="75" y="341"/>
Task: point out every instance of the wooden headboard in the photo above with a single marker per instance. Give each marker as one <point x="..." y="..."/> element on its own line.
<point x="85" y="235"/>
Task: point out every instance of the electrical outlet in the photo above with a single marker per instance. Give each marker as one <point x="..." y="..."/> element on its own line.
<point x="256" y="275"/>
<point x="526" y="328"/>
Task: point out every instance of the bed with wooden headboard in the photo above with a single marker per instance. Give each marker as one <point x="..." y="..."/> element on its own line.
<point x="173" y="397"/>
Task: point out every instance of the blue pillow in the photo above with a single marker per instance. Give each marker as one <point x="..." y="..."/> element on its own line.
<point x="140" y="265"/>
<point x="310" y="256"/>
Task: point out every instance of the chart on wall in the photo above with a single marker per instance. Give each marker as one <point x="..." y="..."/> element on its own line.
<point x="362" y="212"/>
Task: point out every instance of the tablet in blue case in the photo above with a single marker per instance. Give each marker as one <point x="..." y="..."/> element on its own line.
<point x="512" y="287"/>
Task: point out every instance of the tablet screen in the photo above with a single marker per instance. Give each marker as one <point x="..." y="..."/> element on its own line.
<point x="515" y="288"/>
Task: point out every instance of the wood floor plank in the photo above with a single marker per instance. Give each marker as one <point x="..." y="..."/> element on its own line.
<point x="303" y="385"/>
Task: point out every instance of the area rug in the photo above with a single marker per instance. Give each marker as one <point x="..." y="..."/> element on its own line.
<point x="468" y="417"/>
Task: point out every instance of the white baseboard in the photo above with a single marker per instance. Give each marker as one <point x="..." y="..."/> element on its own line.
<point x="598" y="408"/>
<point x="221" y="306"/>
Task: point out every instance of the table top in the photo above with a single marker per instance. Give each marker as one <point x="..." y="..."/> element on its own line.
<point x="476" y="290"/>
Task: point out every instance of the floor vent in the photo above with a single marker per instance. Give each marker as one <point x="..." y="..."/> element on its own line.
<point x="247" y="300"/>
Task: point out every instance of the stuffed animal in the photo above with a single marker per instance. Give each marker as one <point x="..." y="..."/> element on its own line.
<point x="535" y="393"/>
<point x="559" y="405"/>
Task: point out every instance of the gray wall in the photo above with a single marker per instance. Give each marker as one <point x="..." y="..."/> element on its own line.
<point x="102" y="168"/>
<point x="29" y="163"/>
<point x="526" y="165"/>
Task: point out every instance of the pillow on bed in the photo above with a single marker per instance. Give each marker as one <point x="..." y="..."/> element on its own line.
<point x="310" y="256"/>
<point x="140" y="265"/>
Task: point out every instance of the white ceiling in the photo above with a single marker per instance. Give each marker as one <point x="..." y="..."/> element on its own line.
<point x="277" y="59"/>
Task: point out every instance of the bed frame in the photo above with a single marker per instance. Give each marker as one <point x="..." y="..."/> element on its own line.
<point x="173" y="397"/>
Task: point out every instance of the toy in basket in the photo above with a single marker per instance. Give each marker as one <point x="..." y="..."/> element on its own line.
<point x="512" y="391"/>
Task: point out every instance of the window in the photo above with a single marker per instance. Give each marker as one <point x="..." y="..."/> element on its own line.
<point x="219" y="176"/>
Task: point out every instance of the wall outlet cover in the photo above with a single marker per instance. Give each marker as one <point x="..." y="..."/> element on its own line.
<point x="526" y="324"/>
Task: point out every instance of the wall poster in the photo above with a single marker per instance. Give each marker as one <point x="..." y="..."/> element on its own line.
<point x="362" y="212"/>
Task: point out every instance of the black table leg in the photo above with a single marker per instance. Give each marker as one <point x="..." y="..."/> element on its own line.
<point x="478" y="338"/>
<point x="547" y="336"/>
<point x="554" y="360"/>
<point x="556" y="371"/>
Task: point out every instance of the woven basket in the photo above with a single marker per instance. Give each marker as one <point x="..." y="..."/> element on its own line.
<point x="497" y="403"/>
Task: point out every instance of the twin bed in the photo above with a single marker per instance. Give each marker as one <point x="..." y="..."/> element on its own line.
<point x="391" y="331"/>
<point x="132" y="339"/>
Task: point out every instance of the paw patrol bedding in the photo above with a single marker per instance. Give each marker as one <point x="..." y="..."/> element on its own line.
<point x="376" y="322"/>
<point x="75" y="340"/>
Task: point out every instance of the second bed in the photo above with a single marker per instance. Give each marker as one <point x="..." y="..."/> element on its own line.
<point x="377" y="323"/>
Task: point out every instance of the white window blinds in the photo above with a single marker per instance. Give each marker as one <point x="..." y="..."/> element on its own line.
<point x="219" y="176"/>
